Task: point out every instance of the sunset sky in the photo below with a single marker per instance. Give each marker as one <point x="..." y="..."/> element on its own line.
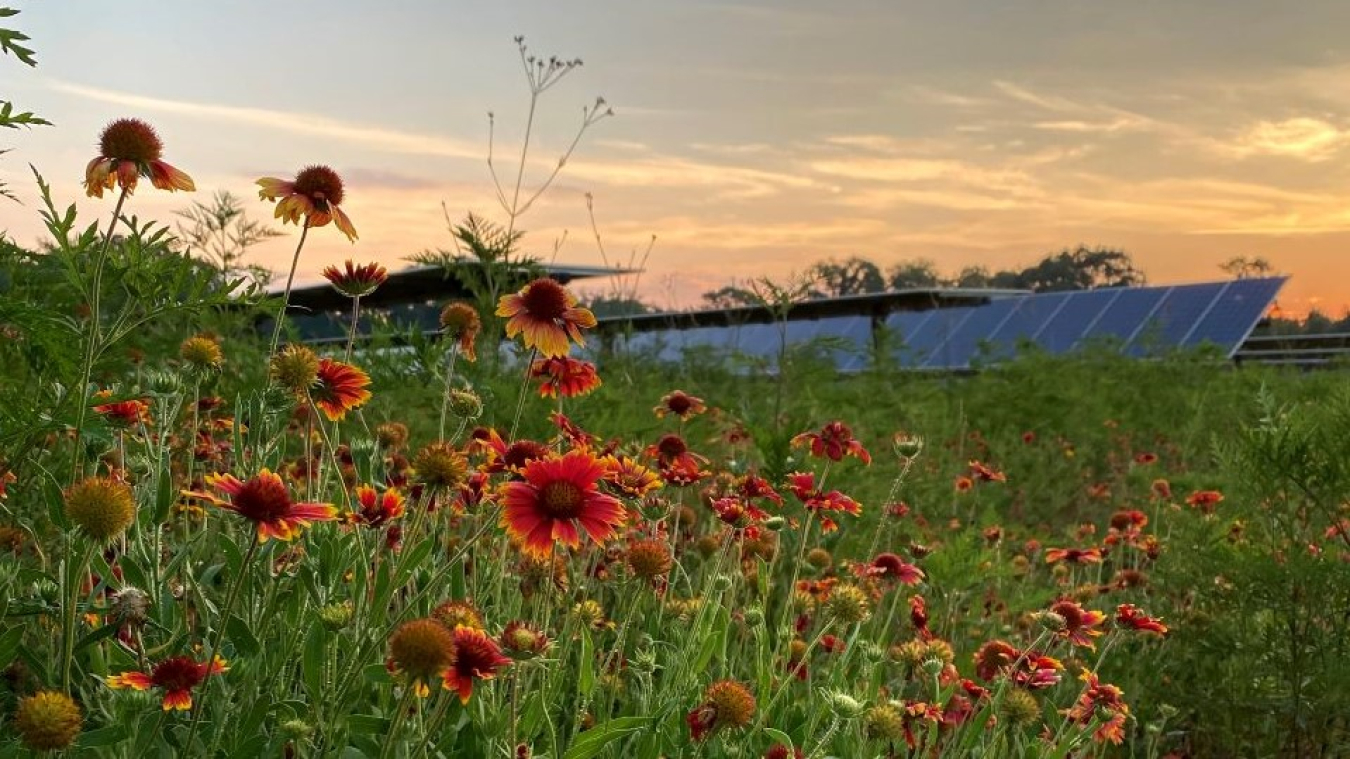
<point x="751" y="138"/>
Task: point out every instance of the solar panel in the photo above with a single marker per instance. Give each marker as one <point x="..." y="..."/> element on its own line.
<point x="920" y="346"/>
<point x="1174" y="317"/>
<point x="1077" y="313"/>
<point x="852" y="340"/>
<point x="670" y="343"/>
<point x="1026" y="322"/>
<point x="760" y="340"/>
<point x="963" y="345"/>
<point x="1235" y="313"/>
<point x="903" y="325"/>
<point x="1128" y="310"/>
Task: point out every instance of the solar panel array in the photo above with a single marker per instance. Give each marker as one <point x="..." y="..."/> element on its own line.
<point x="1137" y="321"/>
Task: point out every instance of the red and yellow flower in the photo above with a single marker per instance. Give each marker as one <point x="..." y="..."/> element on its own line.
<point x="376" y="509"/>
<point x="556" y="494"/>
<point x="176" y="676"/>
<point x="264" y="500"/>
<point x="476" y="657"/>
<point x="356" y="281"/>
<point x="130" y="149"/>
<point x="1080" y="625"/>
<point x="681" y="404"/>
<point x="314" y="194"/>
<point x="340" y="388"/>
<point x="564" y="376"/>
<point x="1132" y="617"/>
<point x="834" y="441"/>
<point x="547" y="315"/>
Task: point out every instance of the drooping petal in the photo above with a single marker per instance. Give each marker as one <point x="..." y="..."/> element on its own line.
<point x="273" y="188"/>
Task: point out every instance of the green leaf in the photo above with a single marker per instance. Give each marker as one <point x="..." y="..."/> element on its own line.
<point x="241" y="635"/>
<point x="104" y="736"/>
<point x="312" y="662"/>
<point x="106" y="631"/>
<point x="586" y="673"/>
<point x="377" y="673"/>
<point x="368" y="724"/>
<point x="593" y="741"/>
<point x="781" y="737"/>
<point x="9" y="644"/>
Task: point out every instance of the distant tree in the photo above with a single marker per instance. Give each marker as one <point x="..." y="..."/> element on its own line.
<point x="605" y="305"/>
<point x="1242" y="267"/>
<point x="1318" y="323"/>
<point x="852" y="276"/>
<point x="1082" y="268"/>
<point x="730" y="296"/>
<point x="918" y="273"/>
<point x="971" y="276"/>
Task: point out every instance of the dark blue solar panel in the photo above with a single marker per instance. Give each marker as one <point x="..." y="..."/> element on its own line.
<point x="850" y="338"/>
<point x="1026" y="322"/>
<point x="1077" y="314"/>
<point x="802" y="330"/>
<point x="932" y="333"/>
<point x="639" y="342"/>
<point x="1174" y="318"/>
<point x="964" y="343"/>
<point x="1235" y="313"/>
<point x="758" y="339"/>
<point x="1127" y="312"/>
<point x="902" y="326"/>
<point x="671" y="344"/>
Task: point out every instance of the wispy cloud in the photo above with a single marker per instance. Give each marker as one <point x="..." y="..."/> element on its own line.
<point x="370" y="136"/>
<point x="1307" y="139"/>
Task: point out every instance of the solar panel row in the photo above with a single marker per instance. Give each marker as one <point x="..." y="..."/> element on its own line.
<point x="1138" y="321"/>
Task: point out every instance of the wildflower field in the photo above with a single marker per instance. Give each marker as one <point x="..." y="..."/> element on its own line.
<point x="217" y="541"/>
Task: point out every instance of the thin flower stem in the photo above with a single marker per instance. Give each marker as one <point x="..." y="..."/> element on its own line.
<point x="214" y="649"/>
<point x="72" y="596"/>
<point x="445" y="394"/>
<point x="351" y="334"/>
<point x="404" y="703"/>
<point x="434" y="724"/>
<point x="286" y="297"/>
<point x="524" y="391"/>
<point x="95" y="335"/>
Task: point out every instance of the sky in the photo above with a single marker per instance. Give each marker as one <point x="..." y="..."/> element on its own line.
<point x="748" y="138"/>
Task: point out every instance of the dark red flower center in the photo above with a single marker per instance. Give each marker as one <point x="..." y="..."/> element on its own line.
<point x="562" y="499"/>
<point x="263" y="499"/>
<point x="177" y="673"/>
<point x="545" y="299"/>
<point x="321" y="185"/>
<point x="130" y="140"/>
<point x="521" y="452"/>
<point x="679" y="404"/>
<point x="671" y="446"/>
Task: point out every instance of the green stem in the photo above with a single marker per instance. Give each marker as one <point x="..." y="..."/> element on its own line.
<point x="68" y="620"/>
<point x="286" y="297"/>
<point x="214" y="649"/>
<point x="404" y="703"/>
<point x="445" y="395"/>
<point x="351" y="334"/>
<point x="95" y="336"/>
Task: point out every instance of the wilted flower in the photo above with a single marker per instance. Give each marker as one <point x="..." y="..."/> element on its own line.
<point x="315" y="194"/>
<point x="202" y="353"/>
<point x="460" y="323"/>
<point x="127" y="150"/>
<point x="727" y="704"/>
<point x="296" y="368"/>
<point x="422" y="650"/>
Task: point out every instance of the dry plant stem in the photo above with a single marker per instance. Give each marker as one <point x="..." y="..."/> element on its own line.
<point x="214" y="650"/>
<point x="286" y="297"/>
<point x="95" y="335"/>
<point x="445" y="394"/>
